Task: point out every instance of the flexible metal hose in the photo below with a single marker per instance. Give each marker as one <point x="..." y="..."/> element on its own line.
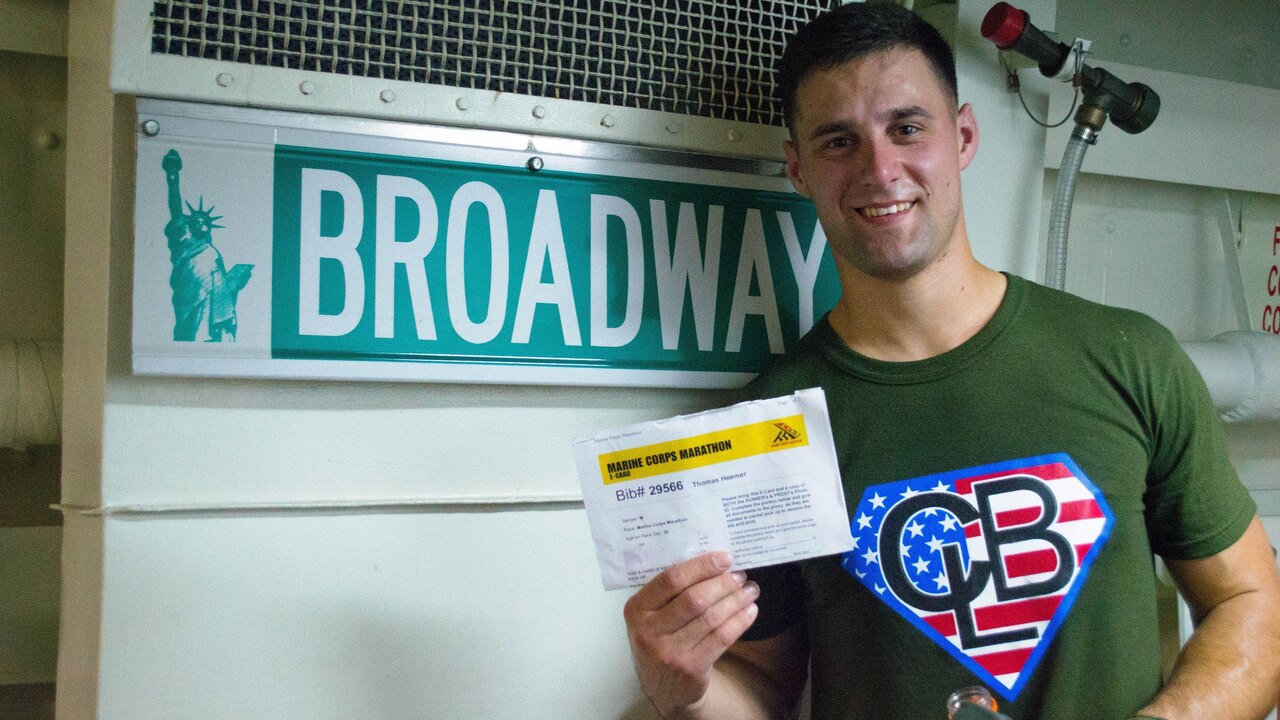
<point x="1055" y="261"/>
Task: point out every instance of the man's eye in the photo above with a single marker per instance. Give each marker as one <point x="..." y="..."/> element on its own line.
<point x="908" y="130"/>
<point x="838" y="142"/>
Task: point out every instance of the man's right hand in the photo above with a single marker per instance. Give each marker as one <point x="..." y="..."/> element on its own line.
<point x="681" y="622"/>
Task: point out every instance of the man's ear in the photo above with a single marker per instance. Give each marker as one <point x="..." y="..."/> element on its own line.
<point x="793" y="168"/>
<point x="967" y="130"/>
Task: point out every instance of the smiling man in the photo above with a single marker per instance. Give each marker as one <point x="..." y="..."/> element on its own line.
<point x="878" y="145"/>
<point x="1012" y="455"/>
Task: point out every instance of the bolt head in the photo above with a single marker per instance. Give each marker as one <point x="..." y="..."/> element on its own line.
<point x="46" y="140"/>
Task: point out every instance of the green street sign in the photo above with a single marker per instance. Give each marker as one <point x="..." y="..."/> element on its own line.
<point x="336" y="253"/>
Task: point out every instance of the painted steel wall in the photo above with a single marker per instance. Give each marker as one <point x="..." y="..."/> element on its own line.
<point x="449" y="613"/>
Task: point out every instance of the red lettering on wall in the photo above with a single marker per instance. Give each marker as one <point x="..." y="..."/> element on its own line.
<point x="1271" y="313"/>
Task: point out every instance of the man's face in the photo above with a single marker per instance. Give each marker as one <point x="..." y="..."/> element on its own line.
<point x="878" y="146"/>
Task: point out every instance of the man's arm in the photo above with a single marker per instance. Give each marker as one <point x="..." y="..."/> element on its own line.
<point x="1230" y="668"/>
<point x="684" y="627"/>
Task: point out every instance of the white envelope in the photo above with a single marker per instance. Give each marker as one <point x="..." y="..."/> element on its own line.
<point x="758" y="479"/>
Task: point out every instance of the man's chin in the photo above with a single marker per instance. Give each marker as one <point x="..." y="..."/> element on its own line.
<point x="891" y="267"/>
<point x="886" y="270"/>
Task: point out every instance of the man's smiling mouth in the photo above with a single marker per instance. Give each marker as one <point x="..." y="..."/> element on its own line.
<point x="883" y="210"/>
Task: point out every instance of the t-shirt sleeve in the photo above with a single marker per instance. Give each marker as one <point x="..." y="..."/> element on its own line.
<point x="1196" y="505"/>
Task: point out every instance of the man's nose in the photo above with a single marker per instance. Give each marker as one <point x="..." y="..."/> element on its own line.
<point x="880" y="163"/>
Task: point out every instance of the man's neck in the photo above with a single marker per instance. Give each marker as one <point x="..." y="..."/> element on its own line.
<point x="919" y="317"/>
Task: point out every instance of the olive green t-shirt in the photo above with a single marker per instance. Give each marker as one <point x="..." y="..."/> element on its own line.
<point x="1007" y="497"/>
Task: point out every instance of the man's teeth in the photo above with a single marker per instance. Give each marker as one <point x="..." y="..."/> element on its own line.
<point x="885" y="210"/>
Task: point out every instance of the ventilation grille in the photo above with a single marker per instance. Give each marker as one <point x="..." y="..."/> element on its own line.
<point x="710" y="58"/>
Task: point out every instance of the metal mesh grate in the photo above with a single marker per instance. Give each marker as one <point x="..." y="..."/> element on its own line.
<point x="711" y="58"/>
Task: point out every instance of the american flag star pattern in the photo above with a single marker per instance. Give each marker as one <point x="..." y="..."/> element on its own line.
<point x="985" y="561"/>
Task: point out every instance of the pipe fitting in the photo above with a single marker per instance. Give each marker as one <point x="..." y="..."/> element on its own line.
<point x="1092" y="117"/>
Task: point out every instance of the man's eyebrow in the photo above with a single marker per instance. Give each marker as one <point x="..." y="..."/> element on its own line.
<point x="831" y="128"/>
<point x="907" y="113"/>
<point x="894" y="115"/>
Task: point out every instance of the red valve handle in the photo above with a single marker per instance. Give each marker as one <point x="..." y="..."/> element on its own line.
<point x="1004" y="24"/>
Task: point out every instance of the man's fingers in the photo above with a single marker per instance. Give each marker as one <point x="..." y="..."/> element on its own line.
<point x="720" y="622"/>
<point x="689" y="652"/>
<point x="669" y="583"/>
<point x="681" y="576"/>
<point x="693" y="612"/>
<point x="682" y="621"/>
<point x="676" y="609"/>
<point x="724" y="635"/>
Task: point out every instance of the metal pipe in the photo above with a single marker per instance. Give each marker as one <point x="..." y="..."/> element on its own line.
<point x="1242" y="370"/>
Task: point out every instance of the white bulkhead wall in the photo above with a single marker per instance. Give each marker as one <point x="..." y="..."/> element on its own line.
<point x="459" y="609"/>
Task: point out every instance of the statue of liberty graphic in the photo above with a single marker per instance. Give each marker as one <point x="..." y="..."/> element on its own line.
<point x="204" y="291"/>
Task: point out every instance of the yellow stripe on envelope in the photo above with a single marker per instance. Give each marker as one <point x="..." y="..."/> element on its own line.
<point x="702" y="450"/>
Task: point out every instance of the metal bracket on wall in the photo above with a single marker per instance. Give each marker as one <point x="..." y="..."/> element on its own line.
<point x="1229" y="231"/>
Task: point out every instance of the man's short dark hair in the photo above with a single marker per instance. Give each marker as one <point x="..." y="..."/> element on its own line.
<point x="853" y="31"/>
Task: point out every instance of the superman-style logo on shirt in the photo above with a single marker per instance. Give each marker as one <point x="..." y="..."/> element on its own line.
<point x="985" y="561"/>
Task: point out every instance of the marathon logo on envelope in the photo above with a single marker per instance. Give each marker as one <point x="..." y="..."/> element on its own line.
<point x="702" y="450"/>
<point x="985" y="561"/>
